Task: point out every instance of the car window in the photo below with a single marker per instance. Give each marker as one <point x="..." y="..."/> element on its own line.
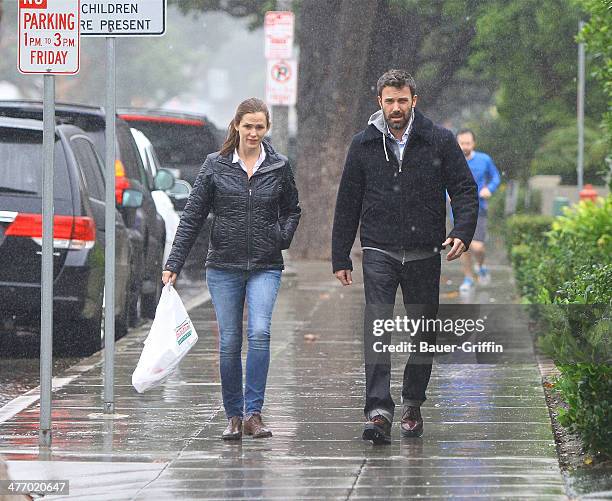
<point x="21" y="164"/>
<point x="178" y="144"/>
<point x="99" y="141"/>
<point x="130" y="157"/>
<point x="152" y="160"/>
<point x="146" y="160"/>
<point x="89" y="164"/>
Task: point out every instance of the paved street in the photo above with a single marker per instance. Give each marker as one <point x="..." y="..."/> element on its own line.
<point x="487" y="429"/>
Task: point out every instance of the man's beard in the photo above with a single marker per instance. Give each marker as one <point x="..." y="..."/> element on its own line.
<point x="397" y="125"/>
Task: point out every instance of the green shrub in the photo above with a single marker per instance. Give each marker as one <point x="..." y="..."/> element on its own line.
<point x="587" y="391"/>
<point x="579" y="324"/>
<point x="526" y="270"/>
<point x="580" y="238"/>
<point x="592" y="285"/>
<point x="567" y="272"/>
<point x="528" y="202"/>
<point x="525" y="229"/>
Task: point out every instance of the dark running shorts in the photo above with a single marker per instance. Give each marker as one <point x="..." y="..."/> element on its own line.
<point x="480" y="235"/>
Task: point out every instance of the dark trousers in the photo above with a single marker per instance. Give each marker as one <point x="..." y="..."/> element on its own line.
<point x="420" y="283"/>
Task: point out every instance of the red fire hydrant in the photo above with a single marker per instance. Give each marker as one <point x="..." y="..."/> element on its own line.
<point x="588" y="193"/>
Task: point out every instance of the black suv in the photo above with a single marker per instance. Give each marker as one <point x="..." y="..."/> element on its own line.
<point x="78" y="245"/>
<point x="145" y="226"/>
<point x="182" y="142"/>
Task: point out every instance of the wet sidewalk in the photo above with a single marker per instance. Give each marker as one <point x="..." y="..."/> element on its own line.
<point x="487" y="429"/>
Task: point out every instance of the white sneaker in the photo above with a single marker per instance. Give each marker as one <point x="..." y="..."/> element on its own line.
<point x="484" y="277"/>
<point x="467" y="285"/>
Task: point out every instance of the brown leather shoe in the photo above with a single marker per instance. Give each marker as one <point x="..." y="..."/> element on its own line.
<point x="378" y="430"/>
<point x="412" y="422"/>
<point x="254" y="426"/>
<point x="233" y="430"/>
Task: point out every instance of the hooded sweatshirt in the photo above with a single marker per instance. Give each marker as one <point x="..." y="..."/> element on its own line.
<point x="401" y="205"/>
<point x="378" y="120"/>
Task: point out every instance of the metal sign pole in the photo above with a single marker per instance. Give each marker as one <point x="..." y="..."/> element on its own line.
<point x="109" y="258"/>
<point x="580" y="110"/>
<point x="46" y="302"/>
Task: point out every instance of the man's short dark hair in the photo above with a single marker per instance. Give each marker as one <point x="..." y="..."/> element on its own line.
<point x="397" y="79"/>
<point x="467" y="131"/>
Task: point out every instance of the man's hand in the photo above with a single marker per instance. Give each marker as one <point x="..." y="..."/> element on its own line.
<point x="169" y="276"/>
<point x="344" y="276"/>
<point x="458" y="248"/>
<point x="485" y="193"/>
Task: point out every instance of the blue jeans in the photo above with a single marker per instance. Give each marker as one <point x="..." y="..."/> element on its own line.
<point x="228" y="290"/>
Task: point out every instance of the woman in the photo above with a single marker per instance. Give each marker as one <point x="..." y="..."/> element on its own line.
<point x="251" y="192"/>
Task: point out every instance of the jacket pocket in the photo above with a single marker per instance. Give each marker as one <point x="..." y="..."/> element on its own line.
<point x="278" y="236"/>
<point x="216" y="234"/>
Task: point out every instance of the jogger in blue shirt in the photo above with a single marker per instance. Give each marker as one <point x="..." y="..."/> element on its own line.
<point x="487" y="178"/>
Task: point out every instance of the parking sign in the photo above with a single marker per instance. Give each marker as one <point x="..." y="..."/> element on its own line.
<point x="281" y="82"/>
<point x="49" y="37"/>
<point x="278" y="34"/>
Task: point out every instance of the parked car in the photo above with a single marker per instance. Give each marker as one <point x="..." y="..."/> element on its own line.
<point x="78" y="245"/>
<point x="163" y="204"/>
<point x="182" y="142"/>
<point x="146" y="228"/>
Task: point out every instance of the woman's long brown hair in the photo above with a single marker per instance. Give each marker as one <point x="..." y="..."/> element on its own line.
<point x="251" y="105"/>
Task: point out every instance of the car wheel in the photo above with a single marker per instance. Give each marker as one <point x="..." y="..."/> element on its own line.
<point x="83" y="338"/>
<point x="122" y="323"/>
<point x="149" y="301"/>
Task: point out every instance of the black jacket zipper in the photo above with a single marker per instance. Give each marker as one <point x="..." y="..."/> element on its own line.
<point x="249" y="208"/>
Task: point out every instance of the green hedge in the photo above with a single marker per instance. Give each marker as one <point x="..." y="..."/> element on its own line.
<point x="526" y="229"/>
<point x="527" y="203"/>
<point x="566" y="263"/>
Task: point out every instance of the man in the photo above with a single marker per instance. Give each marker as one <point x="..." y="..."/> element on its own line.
<point x="394" y="182"/>
<point x="486" y="176"/>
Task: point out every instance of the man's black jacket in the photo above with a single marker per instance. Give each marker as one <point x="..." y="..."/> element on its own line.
<point x="403" y="207"/>
<point x="253" y="220"/>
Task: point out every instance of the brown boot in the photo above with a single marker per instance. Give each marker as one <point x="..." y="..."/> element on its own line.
<point x="254" y="426"/>
<point x="412" y="422"/>
<point x="233" y="430"/>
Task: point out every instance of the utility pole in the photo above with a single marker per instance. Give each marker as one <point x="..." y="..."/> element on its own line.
<point x="580" y="110"/>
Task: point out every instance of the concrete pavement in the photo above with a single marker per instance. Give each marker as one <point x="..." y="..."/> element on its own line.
<point x="487" y="432"/>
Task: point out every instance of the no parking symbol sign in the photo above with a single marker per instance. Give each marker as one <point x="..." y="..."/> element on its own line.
<point x="281" y="82"/>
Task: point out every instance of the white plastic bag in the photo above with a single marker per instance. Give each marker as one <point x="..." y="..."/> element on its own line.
<point x="172" y="335"/>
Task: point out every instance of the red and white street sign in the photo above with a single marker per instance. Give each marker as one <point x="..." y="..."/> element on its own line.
<point x="49" y="37"/>
<point x="278" y="34"/>
<point x="281" y="82"/>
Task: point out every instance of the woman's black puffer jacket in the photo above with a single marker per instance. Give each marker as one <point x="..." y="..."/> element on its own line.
<point x="253" y="219"/>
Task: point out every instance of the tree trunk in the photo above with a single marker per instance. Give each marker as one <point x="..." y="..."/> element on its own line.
<point x="334" y="47"/>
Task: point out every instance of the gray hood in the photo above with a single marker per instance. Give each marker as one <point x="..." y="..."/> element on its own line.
<point x="378" y="120"/>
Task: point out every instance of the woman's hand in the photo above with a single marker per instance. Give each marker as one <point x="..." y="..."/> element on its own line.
<point x="169" y="276"/>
